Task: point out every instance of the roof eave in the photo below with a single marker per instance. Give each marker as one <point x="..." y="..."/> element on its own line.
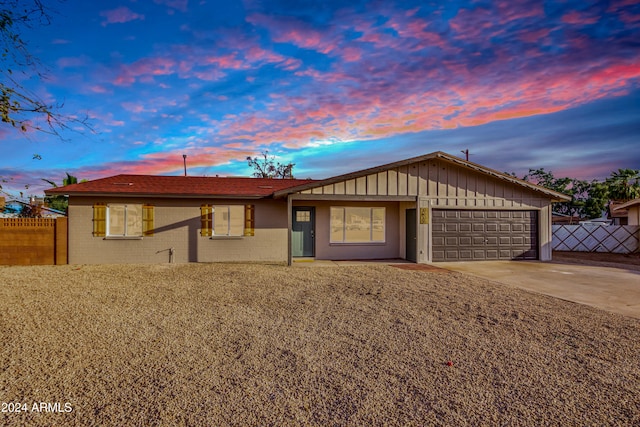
<point x="627" y="205"/>
<point x="164" y="195"/>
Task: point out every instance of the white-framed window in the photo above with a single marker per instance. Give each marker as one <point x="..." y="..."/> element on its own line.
<point x="226" y="220"/>
<point x="350" y="224"/>
<point x="124" y="220"/>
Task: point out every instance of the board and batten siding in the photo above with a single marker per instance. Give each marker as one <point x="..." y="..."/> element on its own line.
<point x="446" y="184"/>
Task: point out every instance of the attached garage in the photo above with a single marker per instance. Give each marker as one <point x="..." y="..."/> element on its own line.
<point x="477" y="235"/>
<point x="432" y="208"/>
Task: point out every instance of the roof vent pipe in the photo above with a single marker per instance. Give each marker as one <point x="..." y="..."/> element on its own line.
<point x="184" y="158"/>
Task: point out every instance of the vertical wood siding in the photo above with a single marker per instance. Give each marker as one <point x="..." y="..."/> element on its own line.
<point x="448" y="184"/>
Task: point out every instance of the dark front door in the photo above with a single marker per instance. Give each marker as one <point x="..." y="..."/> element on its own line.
<point x="303" y="231"/>
<point x="412" y="236"/>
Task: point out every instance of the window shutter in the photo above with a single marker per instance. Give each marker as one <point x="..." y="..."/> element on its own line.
<point x="147" y="220"/>
<point x="249" y="220"/>
<point x="206" y="220"/>
<point x="99" y="220"/>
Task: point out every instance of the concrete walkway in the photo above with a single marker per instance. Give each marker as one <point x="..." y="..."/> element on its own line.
<point x="613" y="289"/>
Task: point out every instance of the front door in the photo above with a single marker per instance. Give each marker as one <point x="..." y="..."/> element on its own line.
<point x="303" y="232"/>
<point x="412" y="236"/>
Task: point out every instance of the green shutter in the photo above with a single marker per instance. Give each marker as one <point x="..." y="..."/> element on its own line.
<point x="206" y="220"/>
<point x="147" y="220"/>
<point x="249" y="220"/>
<point x="99" y="220"/>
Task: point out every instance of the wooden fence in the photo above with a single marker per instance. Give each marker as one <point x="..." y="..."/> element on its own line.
<point x="621" y="239"/>
<point x="33" y="241"/>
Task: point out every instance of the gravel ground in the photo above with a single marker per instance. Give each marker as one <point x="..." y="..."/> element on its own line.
<point x="231" y="344"/>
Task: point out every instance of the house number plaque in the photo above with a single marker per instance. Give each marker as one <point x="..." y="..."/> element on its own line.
<point x="424" y="215"/>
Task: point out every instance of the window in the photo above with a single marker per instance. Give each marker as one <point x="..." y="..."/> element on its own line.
<point x="357" y="225"/>
<point x="303" y="216"/>
<point x="122" y="220"/>
<point x="226" y="220"/>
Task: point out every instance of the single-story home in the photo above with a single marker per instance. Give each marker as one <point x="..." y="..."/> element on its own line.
<point x="630" y="211"/>
<point x="435" y="207"/>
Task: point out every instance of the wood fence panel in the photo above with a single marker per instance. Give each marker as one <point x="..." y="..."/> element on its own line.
<point x="33" y="241"/>
<point x="621" y="239"/>
<point x="61" y="241"/>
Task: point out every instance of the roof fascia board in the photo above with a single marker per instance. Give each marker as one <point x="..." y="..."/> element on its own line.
<point x="353" y="175"/>
<point x="628" y="204"/>
<point x="354" y="198"/>
<point x="166" y="196"/>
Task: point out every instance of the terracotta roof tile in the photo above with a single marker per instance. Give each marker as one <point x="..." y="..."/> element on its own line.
<point x="179" y="186"/>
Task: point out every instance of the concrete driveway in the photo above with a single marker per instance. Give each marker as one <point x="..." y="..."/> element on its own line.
<point x="613" y="289"/>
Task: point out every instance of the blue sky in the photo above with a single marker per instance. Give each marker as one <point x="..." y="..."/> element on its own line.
<point x="333" y="86"/>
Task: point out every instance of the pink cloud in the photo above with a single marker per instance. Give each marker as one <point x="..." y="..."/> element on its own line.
<point x="577" y="18"/>
<point x="145" y="68"/>
<point x="297" y="33"/>
<point x="105" y="119"/>
<point x="168" y="162"/>
<point x="119" y="15"/>
<point x="98" y="89"/>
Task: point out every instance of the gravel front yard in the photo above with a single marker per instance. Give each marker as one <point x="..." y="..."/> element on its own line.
<point x="235" y="344"/>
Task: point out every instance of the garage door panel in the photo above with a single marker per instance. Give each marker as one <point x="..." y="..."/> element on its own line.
<point x="484" y="235"/>
<point x="505" y="254"/>
<point x="491" y="241"/>
<point x="478" y="241"/>
<point x="451" y="241"/>
<point x="451" y="227"/>
<point x="491" y="254"/>
<point x="464" y="227"/>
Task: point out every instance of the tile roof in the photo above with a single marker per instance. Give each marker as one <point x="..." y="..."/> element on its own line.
<point x="178" y="186"/>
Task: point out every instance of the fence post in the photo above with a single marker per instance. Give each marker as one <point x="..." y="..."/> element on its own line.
<point x="61" y="241"/>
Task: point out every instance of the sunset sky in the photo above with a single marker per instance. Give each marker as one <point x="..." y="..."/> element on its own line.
<point x="333" y="86"/>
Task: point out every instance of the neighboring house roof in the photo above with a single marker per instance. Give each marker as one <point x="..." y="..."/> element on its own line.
<point x="555" y="196"/>
<point x="6" y="211"/>
<point x="178" y="186"/>
<point x="624" y="206"/>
